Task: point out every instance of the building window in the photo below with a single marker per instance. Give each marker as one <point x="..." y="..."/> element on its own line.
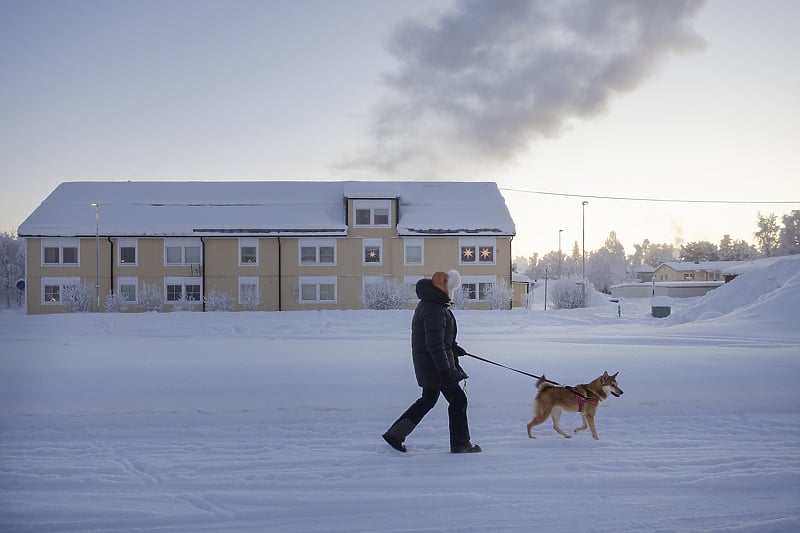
<point x="60" y="252"/>
<point x="373" y="251"/>
<point x="477" y="251"/>
<point x="127" y="252"/>
<point x="688" y="276"/>
<point x="317" y="251"/>
<point x="413" y="251"/>
<point x="188" y="289"/>
<point x="373" y="213"/>
<point x="182" y="252"/>
<point x="52" y="288"/>
<point x="127" y="287"/>
<point x="317" y="289"/>
<point x="477" y="288"/>
<point x="248" y="252"/>
<point x="249" y="296"/>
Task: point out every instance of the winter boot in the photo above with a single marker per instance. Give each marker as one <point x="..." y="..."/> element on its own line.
<point x="398" y="433"/>
<point x="467" y="447"/>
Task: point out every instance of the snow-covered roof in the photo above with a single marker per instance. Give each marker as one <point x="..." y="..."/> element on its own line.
<point x="705" y="266"/>
<point x="273" y="208"/>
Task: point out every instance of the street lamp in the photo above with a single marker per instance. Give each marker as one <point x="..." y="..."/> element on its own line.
<point x="583" y="248"/>
<point x="97" y="254"/>
<point x="559" y="253"/>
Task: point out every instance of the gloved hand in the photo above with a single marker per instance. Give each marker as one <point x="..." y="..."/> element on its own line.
<point x="450" y="378"/>
<point x="461" y="373"/>
<point x="458" y="351"/>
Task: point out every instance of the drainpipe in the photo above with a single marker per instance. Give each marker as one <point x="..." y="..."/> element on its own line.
<point x="203" y="270"/>
<point x="280" y="277"/>
<point x="111" y="264"/>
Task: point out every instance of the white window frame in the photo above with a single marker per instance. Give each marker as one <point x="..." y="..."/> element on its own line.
<point x="317" y="282"/>
<point x="373" y="206"/>
<point x="477" y="243"/>
<point x="183" y="244"/>
<point x="128" y="243"/>
<point x="129" y="281"/>
<point x="61" y="244"/>
<point x="183" y="281"/>
<point x="248" y="242"/>
<point x="59" y="282"/>
<point x="371" y="243"/>
<point x="248" y="281"/>
<point x="477" y="281"/>
<point x="317" y="244"/>
<point x="414" y="241"/>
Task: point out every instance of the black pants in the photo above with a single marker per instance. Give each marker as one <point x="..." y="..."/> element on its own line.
<point x="456" y="411"/>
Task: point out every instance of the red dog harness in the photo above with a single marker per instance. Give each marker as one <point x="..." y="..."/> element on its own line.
<point x="581" y="399"/>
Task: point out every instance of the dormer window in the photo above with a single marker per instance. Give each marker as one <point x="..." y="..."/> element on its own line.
<point x="372" y="213"/>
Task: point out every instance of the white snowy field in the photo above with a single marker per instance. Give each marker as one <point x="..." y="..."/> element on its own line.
<point x="272" y="421"/>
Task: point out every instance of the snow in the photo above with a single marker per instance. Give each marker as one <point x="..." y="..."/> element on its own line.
<point x="272" y="421"/>
<point x="271" y="208"/>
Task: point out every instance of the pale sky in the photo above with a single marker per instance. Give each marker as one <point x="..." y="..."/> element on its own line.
<point x="662" y="100"/>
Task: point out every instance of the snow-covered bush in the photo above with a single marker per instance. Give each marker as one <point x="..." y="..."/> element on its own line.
<point x="249" y="298"/>
<point x="567" y="294"/>
<point x="218" y="301"/>
<point x="115" y="303"/>
<point x="183" y="303"/>
<point x="499" y="295"/>
<point x="386" y="295"/>
<point x="151" y="297"/>
<point x="77" y="298"/>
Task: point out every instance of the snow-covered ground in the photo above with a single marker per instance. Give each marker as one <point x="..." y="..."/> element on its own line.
<point x="272" y="421"/>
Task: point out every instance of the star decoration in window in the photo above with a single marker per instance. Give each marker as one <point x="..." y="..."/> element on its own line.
<point x="468" y="253"/>
<point x="486" y="254"/>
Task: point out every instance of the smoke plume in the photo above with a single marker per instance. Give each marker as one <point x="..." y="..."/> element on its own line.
<point x="484" y="80"/>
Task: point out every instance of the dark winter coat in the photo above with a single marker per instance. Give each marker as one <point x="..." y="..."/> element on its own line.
<point x="433" y="336"/>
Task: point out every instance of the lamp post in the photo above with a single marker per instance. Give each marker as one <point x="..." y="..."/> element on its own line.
<point x="583" y="249"/>
<point x="97" y="255"/>
<point x="559" y="253"/>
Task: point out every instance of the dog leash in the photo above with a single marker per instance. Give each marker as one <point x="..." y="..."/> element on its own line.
<point x="479" y="358"/>
<point x="542" y="378"/>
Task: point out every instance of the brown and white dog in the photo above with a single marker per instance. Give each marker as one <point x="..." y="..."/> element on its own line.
<point x="552" y="400"/>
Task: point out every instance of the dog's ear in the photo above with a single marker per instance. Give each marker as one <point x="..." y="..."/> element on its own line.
<point x="615" y="375"/>
<point x="605" y="374"/>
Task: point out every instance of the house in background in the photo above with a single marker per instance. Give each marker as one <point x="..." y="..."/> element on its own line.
<point x="286" y="245"/>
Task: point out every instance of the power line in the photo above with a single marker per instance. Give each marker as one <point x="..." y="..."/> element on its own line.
<point x="637" y="199"/>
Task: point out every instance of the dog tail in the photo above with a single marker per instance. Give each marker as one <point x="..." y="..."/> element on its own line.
<point x="543" y="383"/>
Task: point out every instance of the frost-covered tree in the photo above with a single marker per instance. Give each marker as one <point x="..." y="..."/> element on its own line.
<point x="218" y="301"/>
<point x="12" y="268"/>
<point x="115" y="302"/>
<point x="387" y="294"/>
<point x="77" y="298"/>
<point x="566" y="294"/>
<point x="608" y="265"/>
<point x="655" y="254"/>
<point x="789" y="241"/>
<point x="768" y="234"/>
<point x="151" y="297"/>
<point x="736" y="250"/>
<point x="696" y="252"/>
<point x="499" y="295"/>
<point x="249" y="298"/>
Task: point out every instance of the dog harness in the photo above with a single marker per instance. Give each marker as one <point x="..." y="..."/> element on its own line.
<point x="581" y="399"/>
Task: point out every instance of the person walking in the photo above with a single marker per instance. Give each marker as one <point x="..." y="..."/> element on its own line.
<point x="435" y="354"/>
